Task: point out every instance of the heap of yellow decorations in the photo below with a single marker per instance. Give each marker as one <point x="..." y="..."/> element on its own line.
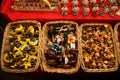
<point x="23" y="41"/>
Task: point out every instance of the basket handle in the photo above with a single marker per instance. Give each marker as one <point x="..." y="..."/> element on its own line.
<point x="63" y="27"/>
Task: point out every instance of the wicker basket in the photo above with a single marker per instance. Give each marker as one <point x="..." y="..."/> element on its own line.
<point x="6" y="47"/>
<point x="52" y="69"/>
<point x="91" y="66"/>
<point x="116" y="27"/>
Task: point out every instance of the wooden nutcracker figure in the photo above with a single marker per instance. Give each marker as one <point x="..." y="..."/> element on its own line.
<point x="95" y="10"/>
<point x="64" y="2"/>
<point x="74" y="3"/>
<point x="64" y="10"/>
<point x="113" y="9"/>
<point x="86" y="11"/>
<point x="85" y="3"/>
<point x="75" y="10"/>
<point x="101" y="3"/>
<point x="93" y="3"/>
<point x="111" y="3"/>
<point x="105" y="9"/>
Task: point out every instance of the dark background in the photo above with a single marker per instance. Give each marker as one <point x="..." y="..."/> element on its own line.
<point x="40" y="75"/>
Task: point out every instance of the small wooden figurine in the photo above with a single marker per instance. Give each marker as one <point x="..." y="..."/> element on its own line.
<point x="75" y="10"/>
<point x="111" y="3"/>
<point x="95" y="10"/>
<point x="74" y="3"/>
<point x="93" y="2"/>
<point x="105" y="9"/>
<point x="86" y="11"/>
<point x="71" y="40"/>
<point x="85" y="3"/>
<point x="101" y="3"/>
<point x="59" y="38"/>
<point x="64" y="2"/>
<point x="64" y="10"/>
<point x="113" y="9"/>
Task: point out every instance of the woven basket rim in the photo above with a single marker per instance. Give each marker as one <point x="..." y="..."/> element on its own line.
<point x="116" y="40"/>
<point x="81" y="56"/>
<point x="46" y="67"/>
<point x="61" y="21"/>
<point x="95" y="24"/>
<point x="3" y="44"/>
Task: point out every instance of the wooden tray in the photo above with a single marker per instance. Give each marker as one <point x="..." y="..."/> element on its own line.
<point x="35" y="5"/>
